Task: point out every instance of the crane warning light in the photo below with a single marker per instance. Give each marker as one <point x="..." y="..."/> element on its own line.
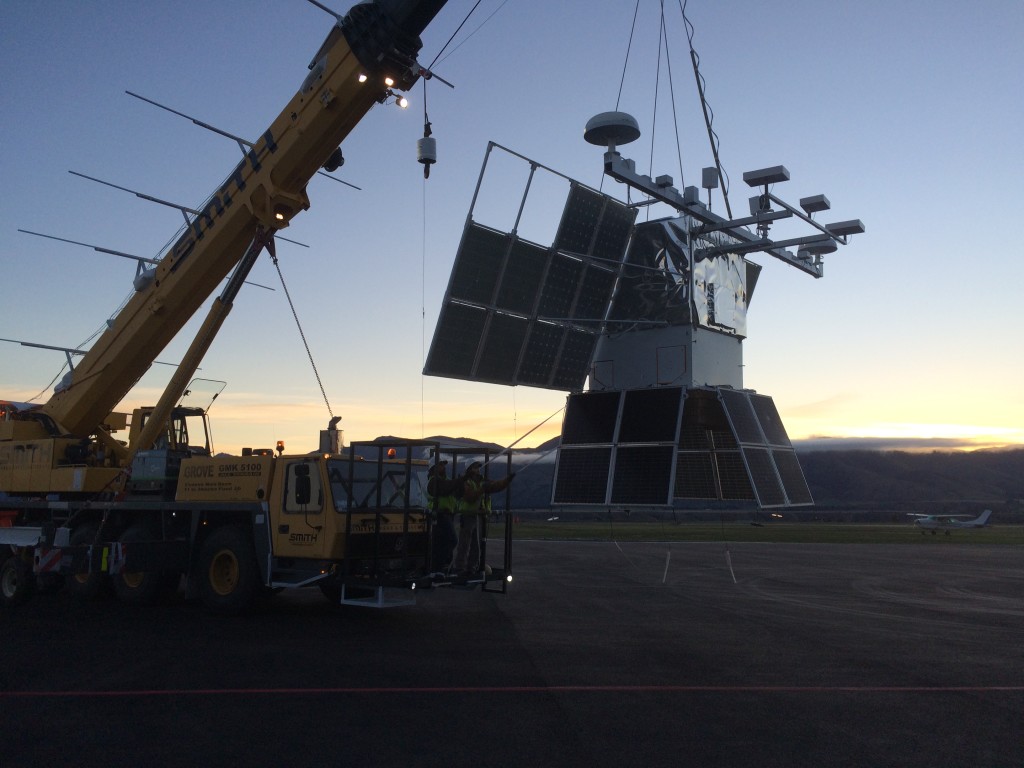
<point x="362" y="77"/>
<point x="392" y="453"/>
<point x="280" y="447"/>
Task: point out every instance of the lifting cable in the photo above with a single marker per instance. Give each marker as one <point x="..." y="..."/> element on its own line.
<point x="467" y="37"/>
<point x="629" y="47"/>
<point x="657" y="83"/>
<point x="423" y="294"/>
<point x="709" y="114"/>
<point x="663" y="40"/>
<point x="423" y="269"/>
<point x="675" y="112"/>
<point x="423" y="248"/>
<point x="273" y="257"/>
<point x="622" y="81"/>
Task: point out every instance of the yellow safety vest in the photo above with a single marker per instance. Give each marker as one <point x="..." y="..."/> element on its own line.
<point x="477" y="506"/>
<point x="444" y="503"/>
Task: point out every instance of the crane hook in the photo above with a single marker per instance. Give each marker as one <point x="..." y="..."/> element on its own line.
<point x="426" y="150"/>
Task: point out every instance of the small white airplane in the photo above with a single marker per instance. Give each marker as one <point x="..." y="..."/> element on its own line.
<point x="947" y="523"/>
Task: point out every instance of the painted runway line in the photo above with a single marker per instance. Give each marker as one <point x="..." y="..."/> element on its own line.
<point x="758" y="689"/>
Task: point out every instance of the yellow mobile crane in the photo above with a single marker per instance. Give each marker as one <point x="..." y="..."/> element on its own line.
<point x="75" y="500"/>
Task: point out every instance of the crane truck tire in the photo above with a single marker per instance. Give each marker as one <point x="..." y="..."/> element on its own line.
<point x="137" y="588"/>
<point x="229" y="577"/>
<point x="87" y="586"/>
<point x="16" y="581"/>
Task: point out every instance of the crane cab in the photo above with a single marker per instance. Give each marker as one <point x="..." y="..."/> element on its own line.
<point x="155" y="470"/>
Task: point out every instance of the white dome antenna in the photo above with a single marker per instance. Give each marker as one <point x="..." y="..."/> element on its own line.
<point x="610" y="129"/>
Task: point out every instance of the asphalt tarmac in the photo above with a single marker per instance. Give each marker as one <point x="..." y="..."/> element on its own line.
<point x="601" y="654"/>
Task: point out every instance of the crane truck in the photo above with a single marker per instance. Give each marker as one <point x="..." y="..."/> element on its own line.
<point x="136" y="515"/>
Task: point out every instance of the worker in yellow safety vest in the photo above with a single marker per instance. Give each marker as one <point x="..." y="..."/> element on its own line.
<point x="441" y="494"/>
<point x="474" y="503"/>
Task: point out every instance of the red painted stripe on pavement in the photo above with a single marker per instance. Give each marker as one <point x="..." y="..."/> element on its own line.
<point x="815" y="689"/>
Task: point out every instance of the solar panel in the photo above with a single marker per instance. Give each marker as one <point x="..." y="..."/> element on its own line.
<point x="582" y="476"/>
<point x="590" y="418"/>
<point x="695" y="476"/>
<point x="560" y="286"/>
<point x="522" y="279"/>
<point x="643" y="475"/>
<point x="595" y="293"/>
<point x="542" y="349"/>
<point x="741" y="416"/>
<point x="580" y="220"/>
<point x="764" y="477"/>
<point x="499" y="353"/>
<point x="769" y="419"/>
<point x="732" y="473"/>
<point x="478" y="264"/>
<point x="614" y="231"/>
<point x="650" y="415"/>
<point x="792" y="476"/>
<point x="574" y="363"/>
<point x="456" y="340"/>
<point x="767" y="452"/>
<point x="540" y="308"/>
<point x="724" y="440"/>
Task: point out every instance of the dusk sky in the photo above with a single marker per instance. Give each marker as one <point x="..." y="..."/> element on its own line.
<point x="906" y="115"/>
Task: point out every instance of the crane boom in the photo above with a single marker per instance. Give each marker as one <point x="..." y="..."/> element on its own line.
<point x="142" y="516"/>
<point x="379" y="39"/>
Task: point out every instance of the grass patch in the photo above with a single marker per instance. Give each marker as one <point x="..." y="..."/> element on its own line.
<point x="808" y="533"/>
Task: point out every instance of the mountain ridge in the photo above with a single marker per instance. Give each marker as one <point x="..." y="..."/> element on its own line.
<point x="838" y="478"/>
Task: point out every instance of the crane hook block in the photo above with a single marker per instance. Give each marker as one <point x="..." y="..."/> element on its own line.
<point x="426" y="151"/>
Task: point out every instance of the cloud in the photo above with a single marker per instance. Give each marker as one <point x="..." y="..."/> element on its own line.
<point x="909" y="444"/>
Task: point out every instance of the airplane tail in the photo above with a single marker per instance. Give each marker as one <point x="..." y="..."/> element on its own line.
<point x="982" y="519"/>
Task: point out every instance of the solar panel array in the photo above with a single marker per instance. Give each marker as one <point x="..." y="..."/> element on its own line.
<point x="661" y="445"/>
<point x="618" y="447"/>
<point x="767" y="451"/>
<point x="517" y="312"/>
<point x="709" y="465"/>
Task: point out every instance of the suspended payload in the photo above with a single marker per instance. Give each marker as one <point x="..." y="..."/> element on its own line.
<point x="641" y="323"/>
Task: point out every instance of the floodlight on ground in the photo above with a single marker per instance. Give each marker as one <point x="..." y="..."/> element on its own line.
<point x="766" y="176"/>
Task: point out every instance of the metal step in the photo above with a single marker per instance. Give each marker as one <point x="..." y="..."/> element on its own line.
<point x="379" y="597"/>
